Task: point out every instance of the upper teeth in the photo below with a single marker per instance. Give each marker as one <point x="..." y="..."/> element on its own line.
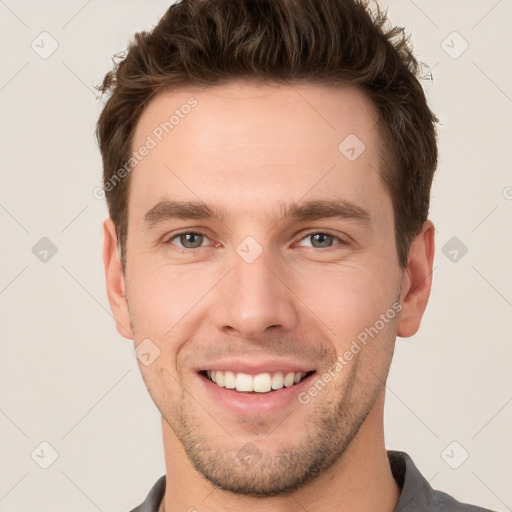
<point x="260" y="383"/>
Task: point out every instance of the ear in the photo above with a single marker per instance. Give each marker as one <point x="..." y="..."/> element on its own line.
<point x="115" y="280"/>
<point x="417" y="281"/>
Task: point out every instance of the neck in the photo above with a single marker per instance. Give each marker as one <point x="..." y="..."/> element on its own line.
<point x="360" y="481"/>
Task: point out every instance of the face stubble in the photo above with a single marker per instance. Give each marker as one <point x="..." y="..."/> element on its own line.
<point x="244" y="468"/>
<point x="325" y="438"/>
<point x="319" y="437"/>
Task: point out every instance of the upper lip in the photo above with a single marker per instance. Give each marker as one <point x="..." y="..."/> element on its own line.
<point x="256" y="367"/>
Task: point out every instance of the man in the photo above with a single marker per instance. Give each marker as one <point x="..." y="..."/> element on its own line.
<point x="267" y="167"/>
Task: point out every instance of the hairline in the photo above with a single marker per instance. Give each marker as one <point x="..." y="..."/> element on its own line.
<point x="386" y="156"/>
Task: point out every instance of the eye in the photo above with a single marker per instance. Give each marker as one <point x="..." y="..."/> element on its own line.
<point x="188" y="240"/>
<point x="321" y="240"/>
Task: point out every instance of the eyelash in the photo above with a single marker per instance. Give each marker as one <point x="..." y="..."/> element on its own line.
<point x="341" y="241"/>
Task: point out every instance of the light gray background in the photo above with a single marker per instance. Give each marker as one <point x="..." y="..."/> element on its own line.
<point x="69" y="379"/>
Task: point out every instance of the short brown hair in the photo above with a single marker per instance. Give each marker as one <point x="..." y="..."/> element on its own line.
<point x="330" y="42"/>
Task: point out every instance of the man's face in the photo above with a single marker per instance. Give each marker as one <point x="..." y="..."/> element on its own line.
<point x="261" y="290"/>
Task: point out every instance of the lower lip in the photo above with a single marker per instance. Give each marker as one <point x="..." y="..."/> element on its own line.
<point x="254" y="404"/>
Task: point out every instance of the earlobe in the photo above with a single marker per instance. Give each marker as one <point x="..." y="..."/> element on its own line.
<point x="114" y="278"/>
<point x="417" y="281"/>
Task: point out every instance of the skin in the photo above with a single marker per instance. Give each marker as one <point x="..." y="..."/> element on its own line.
<point x="247" y="148"/>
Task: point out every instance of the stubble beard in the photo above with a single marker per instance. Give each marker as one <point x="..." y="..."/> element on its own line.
<point x="327" y="434"/>
<point x="250" y="468"/>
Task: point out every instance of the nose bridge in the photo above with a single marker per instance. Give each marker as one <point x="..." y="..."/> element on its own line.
<point x="252" y="297"/>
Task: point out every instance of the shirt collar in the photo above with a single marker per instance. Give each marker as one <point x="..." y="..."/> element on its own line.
<point x="415" y="488"/>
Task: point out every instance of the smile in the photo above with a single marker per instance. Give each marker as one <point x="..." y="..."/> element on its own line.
<point x="260" y="383"/>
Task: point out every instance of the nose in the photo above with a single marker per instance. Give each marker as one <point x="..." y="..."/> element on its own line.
<point x="255" y="299"/>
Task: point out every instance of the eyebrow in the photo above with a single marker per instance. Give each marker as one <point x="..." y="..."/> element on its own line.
<point x="311" y="210"/>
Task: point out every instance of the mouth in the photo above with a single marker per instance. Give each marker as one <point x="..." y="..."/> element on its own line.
<point x="265" y="382"/>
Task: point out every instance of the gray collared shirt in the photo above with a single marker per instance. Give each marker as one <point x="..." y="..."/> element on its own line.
<point x="417" y="495"/>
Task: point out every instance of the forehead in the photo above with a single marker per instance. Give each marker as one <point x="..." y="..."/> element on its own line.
<point x="245" y="142"/>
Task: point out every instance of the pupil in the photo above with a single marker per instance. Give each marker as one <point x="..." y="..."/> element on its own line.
<point x="323" y="239"/>
<point x="188" y="240"/>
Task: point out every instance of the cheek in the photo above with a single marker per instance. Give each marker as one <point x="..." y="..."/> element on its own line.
<point x="349" y="299"/>
<point x="161" y="297"/>
<point x="149" y="300"/>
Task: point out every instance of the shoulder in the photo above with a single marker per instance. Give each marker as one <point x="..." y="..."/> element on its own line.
<point x="154" y="498"/>
<point x="417" y="494"/>
<point x="444" y="502"/>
